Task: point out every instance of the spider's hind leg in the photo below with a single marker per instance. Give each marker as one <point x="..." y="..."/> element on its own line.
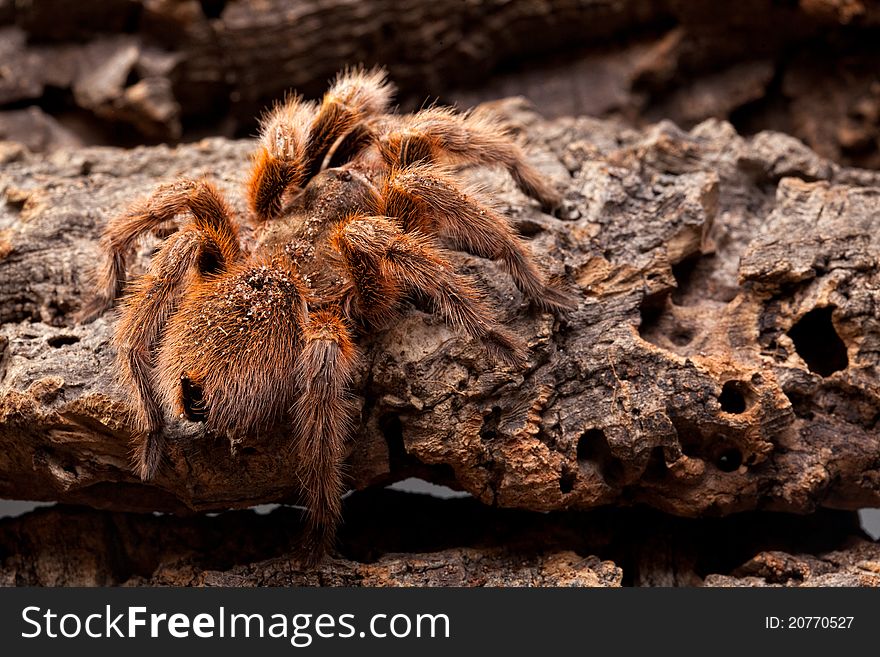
<point x="439" y="133"/>
<point x="323" y="421"/>
<point x="427" y="201"/>
<point x="385" y="263"/>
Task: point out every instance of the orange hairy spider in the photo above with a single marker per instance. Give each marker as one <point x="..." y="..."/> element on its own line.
<point x="349" y="202"/>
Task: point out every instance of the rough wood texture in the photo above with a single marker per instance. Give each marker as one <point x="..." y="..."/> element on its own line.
<point x="121" y="71"/>
<point x="397" y="539"/>
<point x="724" y="356"/>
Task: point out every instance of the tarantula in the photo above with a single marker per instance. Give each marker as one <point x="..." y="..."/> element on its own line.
<point x="349" y="203"/>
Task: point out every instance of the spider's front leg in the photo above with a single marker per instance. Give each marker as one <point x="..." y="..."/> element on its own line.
<point x="322" y="416"/>
<point x="199" y="198"/>
<point x="425" y="200"/>
<point x="355" y="97"/>
<point x="280" y="161"/>
<point x="385" y="263"/>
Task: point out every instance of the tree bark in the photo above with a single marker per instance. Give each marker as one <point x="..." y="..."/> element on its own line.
<point x="723" y="356"/>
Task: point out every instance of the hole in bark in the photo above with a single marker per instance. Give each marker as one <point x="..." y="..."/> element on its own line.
<point x="650" y="312"/>
<point x="489" y="430"/>
<point x="248" y="451"/>
<point x="682" y="336"/>
<point x="62" y="340"/>
<point x="817" y="342"/>
<point x="16" y="203"/>
<point x="696" y="282"/>
<point x="193" y="400"/>
<point x="729" y="460"/>
<point x="392" y="431"/>
<point x="656" y="468"/>
<point x="732" y="397"/>
<point x="58" y="311"/>
<point x="585" y="444"/>
<point x="689" y="437"/>
<point x="566" y="481"/>
<point x="801" y="404"/>
<point x="212" y="8"/>
<point x="683" y="272"/>
<point x="593" y="447"/>
<point x="132" y="78"/>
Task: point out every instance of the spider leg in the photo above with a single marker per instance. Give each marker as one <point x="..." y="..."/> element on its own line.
<point x="323" y="421"/>
<point x="145" y="311"/>
<point x="385" y="262"/>
<point x="197" y="197"/>
<point x="428" y="202"/>
<point x="438" y="132"/>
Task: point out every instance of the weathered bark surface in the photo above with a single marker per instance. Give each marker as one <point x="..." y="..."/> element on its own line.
<point x="397" y="539"/>
<point x="119" y="71"/>
<point x="857" y="565"/>
<point x="724" y="356"/>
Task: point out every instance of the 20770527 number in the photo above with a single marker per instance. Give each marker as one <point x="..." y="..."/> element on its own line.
<point x="808" y="622"/>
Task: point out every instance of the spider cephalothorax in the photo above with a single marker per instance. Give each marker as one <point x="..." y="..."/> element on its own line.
<point x="349" y="203"/>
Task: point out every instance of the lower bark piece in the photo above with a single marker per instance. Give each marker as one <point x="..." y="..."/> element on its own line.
<point x="856" y="565"/>
<point x="403" y="539"/>
<point x="455" y="567"/>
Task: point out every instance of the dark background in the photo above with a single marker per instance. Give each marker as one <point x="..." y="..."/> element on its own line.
<point x="124" y="72"/>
